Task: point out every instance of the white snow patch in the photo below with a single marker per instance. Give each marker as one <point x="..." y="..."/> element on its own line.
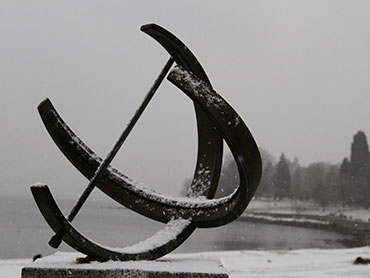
<point x="237" y="121"/>
<point x="362" y="215"/>
<point x="306" y="263"/>
<point x="168" y="264"/>
<point x="290" y="219"/>
<point x="200" y="89"/>
<point x="12" y="268"/>
<point x="170" y="232"/>
<point x="38" y="184"/>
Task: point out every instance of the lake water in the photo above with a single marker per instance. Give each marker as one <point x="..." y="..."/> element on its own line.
<point x="24" y="233"/>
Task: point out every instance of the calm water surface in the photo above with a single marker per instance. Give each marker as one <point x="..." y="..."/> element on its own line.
<point x="24" y="233"/>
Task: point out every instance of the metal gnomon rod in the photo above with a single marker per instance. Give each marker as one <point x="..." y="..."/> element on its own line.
<point x="56" y="240"/>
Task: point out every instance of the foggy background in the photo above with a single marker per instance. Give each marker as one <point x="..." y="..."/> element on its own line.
<point x="296" y="71"/>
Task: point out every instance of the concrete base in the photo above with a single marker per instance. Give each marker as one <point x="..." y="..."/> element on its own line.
<point x="63" y="265"/>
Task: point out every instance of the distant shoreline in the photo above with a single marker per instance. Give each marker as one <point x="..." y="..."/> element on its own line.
<point x="359" y="232"/>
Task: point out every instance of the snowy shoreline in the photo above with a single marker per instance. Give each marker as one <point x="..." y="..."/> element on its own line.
<point x="357" y="231"/>
<point x="351" y="222"/>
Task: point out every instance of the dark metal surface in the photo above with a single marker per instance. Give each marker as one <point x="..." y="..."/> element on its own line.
<point x="213" y="116"/>
<point x="210" y="145"/>
<point x="234" y="131"/>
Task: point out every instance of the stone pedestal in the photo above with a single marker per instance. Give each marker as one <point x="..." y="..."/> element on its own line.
<point x="63" y="265"/>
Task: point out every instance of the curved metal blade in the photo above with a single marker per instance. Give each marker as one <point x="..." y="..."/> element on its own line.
<point x="210" y="145"/>
<point x="57" y="221"/>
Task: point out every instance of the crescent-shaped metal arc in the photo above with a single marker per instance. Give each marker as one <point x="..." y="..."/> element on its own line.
<point x="151" y="249"/>
<point x="234" y="131"/>
<point x="210" y="144"/>
<point x="176" y="48"/>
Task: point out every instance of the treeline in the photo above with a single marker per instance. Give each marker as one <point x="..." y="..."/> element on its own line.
<point x="344" y="184"/>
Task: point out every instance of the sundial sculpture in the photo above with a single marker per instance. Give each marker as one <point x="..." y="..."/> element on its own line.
<point x="216" y="121"/>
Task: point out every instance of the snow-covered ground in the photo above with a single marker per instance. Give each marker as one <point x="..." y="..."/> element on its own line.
<point x="12" y="268"/>
<point x="293" y="263"/>
<point x="296" y="263"/>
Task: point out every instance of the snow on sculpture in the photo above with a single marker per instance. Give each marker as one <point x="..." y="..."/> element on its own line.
<point x="216" y="121"/>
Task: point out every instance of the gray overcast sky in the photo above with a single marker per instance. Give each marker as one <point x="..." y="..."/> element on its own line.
<point x="296" y="71"/>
